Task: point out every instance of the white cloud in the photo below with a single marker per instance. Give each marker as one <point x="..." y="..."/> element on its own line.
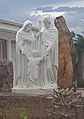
<point x="52" y="14"/>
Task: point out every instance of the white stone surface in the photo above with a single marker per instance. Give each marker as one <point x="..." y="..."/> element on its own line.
<point x="34" y="91"/>
<point x="9" y="50"/>
<point x="36" y="59"/>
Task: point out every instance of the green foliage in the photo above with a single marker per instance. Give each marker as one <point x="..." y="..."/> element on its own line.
<point x="1" y="115"/>
<point x="80" y="83"/>
<point x="79" y="43"/>
<point x="23" y="114"/>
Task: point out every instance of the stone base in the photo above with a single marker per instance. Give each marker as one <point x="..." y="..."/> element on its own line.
<point x="34" y="91"/>
<point x="12" y="106"/>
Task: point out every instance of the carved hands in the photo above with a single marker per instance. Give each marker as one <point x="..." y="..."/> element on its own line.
<point x="22" y="49"/>
<point x="38" y="35"/>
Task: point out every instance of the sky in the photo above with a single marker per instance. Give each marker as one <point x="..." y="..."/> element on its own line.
<point x="21" y="10"/>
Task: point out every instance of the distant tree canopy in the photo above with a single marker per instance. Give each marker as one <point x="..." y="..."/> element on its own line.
<point x="79" y="43"/>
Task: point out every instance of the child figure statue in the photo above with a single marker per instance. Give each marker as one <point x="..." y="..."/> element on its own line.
<point x="34" y="67"/>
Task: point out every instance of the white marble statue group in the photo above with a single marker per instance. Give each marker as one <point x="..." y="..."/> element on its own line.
<point x="37" y="57"/>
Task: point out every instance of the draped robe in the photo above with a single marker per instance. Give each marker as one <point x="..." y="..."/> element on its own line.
<point x="25" y="42"/>
<point x="50" y="46"/>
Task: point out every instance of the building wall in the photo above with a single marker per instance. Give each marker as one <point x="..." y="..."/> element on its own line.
<point x="13" y="57"/>
<point x="3" y="53"/>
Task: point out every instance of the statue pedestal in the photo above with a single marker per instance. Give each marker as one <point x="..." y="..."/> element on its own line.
<point x="34" y="91"/>
<point x="34" y="107"/>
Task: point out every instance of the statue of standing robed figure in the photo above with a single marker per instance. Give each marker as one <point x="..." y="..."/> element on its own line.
<point x="49" y="38"/>
<point x="36" y="58"/>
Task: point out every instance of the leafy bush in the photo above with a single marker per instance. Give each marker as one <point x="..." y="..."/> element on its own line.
<point x="79" y="43"/>
<point x="80" y="83"/>
<point x="23" y="114"/>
